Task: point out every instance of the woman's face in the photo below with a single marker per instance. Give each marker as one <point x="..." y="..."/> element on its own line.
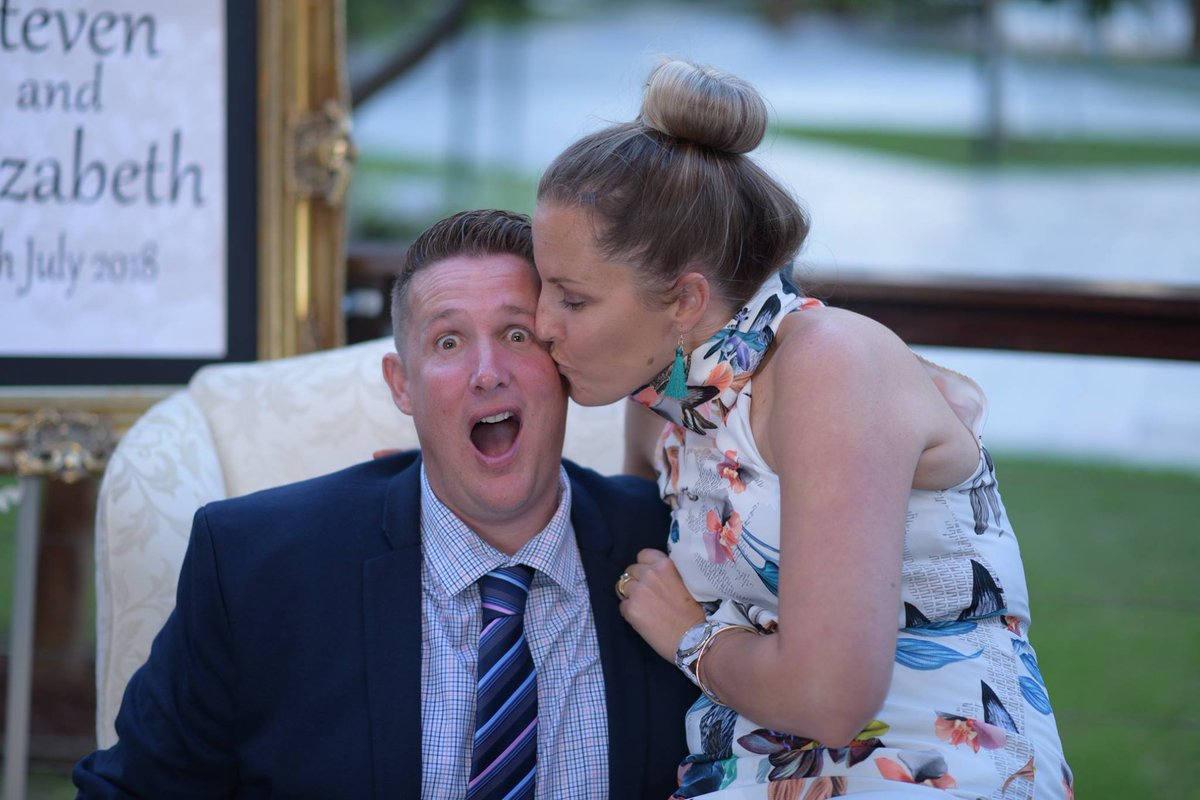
<point x="606" y="340"/>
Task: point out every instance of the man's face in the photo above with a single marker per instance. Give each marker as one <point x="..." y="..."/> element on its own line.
<point x="485" y="396"/>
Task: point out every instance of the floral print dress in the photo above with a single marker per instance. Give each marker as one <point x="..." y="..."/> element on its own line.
<point x="967" y="711"/>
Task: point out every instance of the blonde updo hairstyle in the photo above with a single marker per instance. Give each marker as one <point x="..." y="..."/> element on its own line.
<point x="673" y="191"/>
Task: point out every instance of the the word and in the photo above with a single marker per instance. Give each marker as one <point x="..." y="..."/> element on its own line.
<point x="33" y="95"/>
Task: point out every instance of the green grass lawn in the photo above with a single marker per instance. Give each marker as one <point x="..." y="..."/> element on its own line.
<point x="8" y="536"/>
<point x="965" y="150"/>
<point x="395" y="198"/>
<point x="1111" y="556"/>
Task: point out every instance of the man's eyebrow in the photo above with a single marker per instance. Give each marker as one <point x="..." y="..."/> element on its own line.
<point x="451" y="313"/>
<point x="445" y="313"/>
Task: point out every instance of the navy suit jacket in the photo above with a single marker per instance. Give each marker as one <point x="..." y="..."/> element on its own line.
<point x="291" y="665"/>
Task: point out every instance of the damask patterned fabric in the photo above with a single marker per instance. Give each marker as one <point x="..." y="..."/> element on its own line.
<point x="967" y="711"/>
<point x="235" y="429"/>
<point x="163" y="470"/>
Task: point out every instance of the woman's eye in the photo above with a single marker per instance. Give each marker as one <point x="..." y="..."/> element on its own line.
<point x="446" y="342"/>
<point x="572" y="305"/>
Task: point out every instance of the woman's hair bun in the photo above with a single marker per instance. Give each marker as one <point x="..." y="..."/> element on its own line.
<point x="703" y="105"/>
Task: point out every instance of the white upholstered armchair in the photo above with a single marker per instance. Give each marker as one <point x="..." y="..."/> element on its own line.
<point x="236" y="429"/>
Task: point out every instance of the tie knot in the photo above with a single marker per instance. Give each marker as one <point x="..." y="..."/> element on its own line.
<point x="503" y="591"/>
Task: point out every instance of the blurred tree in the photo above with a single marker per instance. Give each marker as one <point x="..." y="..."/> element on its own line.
<point x="991" y="73"/>
<point x="780" y="12"/>
<point x="1095" y="9"/>
<point x="412" y="30"/>
<point x="1098" y="9"/>
<point x="367" y="18"/>
<point x="373" y="20"/>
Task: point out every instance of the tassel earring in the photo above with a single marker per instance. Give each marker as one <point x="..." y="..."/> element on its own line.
<point x="677" y="383"/>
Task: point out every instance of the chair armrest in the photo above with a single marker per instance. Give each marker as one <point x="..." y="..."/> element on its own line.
<point x="164" y="468"/>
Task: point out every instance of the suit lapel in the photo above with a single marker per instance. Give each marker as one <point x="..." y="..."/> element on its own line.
<point x="392" y="616"/>
<point x="620" y="657"/>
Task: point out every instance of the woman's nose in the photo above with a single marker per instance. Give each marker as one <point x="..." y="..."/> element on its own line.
<point x="545" y="324"/>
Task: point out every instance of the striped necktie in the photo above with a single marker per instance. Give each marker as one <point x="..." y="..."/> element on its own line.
<point x="504" y="761"/>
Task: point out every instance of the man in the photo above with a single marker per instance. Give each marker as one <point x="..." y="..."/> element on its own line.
<point x="336" y="637"/>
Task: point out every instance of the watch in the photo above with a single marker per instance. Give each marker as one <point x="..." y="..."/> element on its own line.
<point x="695" y="643"/>
<point x="692" y="644"/>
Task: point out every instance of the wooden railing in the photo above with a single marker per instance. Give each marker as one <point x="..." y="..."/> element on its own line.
<point x="1080" y="317"/>
<point x="1088" y="318"/>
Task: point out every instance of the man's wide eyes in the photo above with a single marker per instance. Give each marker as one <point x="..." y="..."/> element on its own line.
<point x="451" y="341"/>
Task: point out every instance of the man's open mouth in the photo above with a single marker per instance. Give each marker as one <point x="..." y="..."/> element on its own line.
<point x="493" y="436"/>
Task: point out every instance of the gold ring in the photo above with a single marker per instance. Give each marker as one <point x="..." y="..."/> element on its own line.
<point x="622" y="582"/>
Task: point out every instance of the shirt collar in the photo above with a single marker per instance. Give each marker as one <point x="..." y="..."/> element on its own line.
<point x="457" y="557"/>
<point x="720" y="367"/>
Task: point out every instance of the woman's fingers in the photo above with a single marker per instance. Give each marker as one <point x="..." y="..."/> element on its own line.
<point x="656" y="566"/>
<point x="656" y="603"/>
<point x="652" y="556"/>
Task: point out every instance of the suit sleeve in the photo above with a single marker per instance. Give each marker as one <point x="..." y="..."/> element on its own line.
<point x="670" y="693"/>
<point x="176" y="725"/>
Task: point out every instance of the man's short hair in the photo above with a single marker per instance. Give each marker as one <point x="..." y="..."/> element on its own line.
<point x="467" y="233"/>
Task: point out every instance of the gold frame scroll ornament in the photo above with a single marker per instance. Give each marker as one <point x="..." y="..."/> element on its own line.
<point x="68" y="445"/>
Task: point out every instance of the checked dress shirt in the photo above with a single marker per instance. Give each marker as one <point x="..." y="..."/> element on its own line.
<point x="572" y="749"/>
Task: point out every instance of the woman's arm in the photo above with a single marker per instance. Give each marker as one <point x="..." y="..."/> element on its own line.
<point x="844" y="429"/>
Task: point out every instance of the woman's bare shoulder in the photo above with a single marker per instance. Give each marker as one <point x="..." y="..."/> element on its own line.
<point x="829" y="362"/>
<point x="832" y="347"/>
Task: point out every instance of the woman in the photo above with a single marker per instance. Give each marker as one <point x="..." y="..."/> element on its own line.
<point x="864" y="619"/>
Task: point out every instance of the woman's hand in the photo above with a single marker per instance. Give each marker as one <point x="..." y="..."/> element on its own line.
<point x="657" y="604"/>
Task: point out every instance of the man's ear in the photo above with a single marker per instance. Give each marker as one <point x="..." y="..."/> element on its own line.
<point x="396" y="377"/>
<point x="691" y="298"/>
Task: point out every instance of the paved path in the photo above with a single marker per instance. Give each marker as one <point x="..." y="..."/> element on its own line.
<point x="542" y="86"/>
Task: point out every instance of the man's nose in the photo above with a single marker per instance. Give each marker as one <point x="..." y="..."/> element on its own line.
<point x="491" y="367"/>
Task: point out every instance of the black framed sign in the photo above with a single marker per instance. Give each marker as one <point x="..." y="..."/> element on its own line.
<point x="128" y="190"/>
<point x="171" y="184"/>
